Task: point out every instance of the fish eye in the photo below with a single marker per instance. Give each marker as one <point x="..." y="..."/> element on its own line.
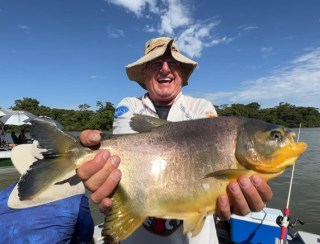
<point x="276" y="135"/>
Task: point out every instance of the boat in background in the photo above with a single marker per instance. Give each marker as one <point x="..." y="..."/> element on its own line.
<point x="254" y="228"/>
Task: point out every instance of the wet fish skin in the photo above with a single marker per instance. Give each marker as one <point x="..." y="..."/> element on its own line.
<point x="171" y="170"/>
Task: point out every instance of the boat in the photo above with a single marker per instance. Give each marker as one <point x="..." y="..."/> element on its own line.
<point x="261" y="227"/>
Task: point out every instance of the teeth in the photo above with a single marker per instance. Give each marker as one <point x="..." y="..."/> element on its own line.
<point x="164" y="80"/>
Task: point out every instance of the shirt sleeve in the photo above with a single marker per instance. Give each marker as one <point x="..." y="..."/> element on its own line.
<point x="124" y="112"/>
<point x="202" y="109"/>
<point x="208" y="110"/>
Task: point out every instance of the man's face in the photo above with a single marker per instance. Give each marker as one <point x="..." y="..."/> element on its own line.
<point x="163" y="79"/>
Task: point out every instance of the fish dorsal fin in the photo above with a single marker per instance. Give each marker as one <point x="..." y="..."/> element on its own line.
<point x="229" y="174"/>
<point x="144" y="123"/>
<point x="120" y="221"/>
<point x="194" y="223"/>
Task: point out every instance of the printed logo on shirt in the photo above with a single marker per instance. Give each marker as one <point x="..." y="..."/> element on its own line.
<point x="120" y="111"/>
<point x="186" y="114"/>
<point x="162" y="227"/>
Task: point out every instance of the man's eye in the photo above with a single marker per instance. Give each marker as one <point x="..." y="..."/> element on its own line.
<point x="172" y="64"/>
<point x="157" y="64"/>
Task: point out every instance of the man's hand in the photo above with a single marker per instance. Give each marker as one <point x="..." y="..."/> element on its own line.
<point x="101" y="174"/>
<point x="245" y="195"/>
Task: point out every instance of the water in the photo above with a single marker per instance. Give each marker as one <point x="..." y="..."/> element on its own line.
<point x="305" y="196"/>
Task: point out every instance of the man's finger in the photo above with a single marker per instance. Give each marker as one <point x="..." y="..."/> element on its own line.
<point x="251" y="194"/>
<point x="105" y="205"/>
<point x="107" y="187"/>
<point x="91" y="167"/>
<point x="239" y="202"/>
<point x="223" y="208"/>
<point x="99" y="178"/>
<point x="262" y="187"/>
<point x="90" y="138"/>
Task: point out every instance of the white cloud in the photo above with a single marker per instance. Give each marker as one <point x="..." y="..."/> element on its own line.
<point x="174" y="18"/>
<point x="298" y="84"/>
<point x="136" y="6"/>
<point x="23" y="27"/>
<point x="177" y="15"/>
<point x="114" y="33"/>
<point x="247" y="27"/>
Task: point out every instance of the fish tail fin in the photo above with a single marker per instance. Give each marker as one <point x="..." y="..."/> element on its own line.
<point x="120" y="222"/>
<point x="41" y="175"/>
<point x="54" y="148"/>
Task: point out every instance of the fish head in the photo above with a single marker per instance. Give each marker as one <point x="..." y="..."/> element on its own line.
<point x="267" y="148"/>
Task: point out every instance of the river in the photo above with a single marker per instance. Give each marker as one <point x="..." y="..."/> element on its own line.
<point x="305" y="196"/>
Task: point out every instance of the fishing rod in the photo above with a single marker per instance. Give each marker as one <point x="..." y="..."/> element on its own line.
<point x="285" y="220"/>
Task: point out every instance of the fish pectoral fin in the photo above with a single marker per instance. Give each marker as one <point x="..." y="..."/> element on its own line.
<point x="194" y="223"/>
<point x="144" y="123"/>
<point x="120" y="221"/>
<point x="229" y="173"/>
<point x="41" y="175"/>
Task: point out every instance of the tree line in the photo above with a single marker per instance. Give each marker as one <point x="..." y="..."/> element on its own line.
<point x="285" y="114"/>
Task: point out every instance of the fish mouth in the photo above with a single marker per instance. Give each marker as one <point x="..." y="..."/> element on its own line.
<point x="281" y="159"/>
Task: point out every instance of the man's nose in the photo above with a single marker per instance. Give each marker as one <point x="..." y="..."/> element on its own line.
<point x="165" y="66"/>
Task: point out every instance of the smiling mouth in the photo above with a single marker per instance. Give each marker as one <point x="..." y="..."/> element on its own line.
<point x="164" y="80"/>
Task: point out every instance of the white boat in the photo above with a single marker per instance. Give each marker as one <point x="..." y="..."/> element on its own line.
<point x="254" y="228"/>
<point x="5" y="153"/>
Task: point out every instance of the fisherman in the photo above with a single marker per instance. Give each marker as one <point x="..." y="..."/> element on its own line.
<point x="22" y="137"/>
<point x="163" y="71"/>
<point x="15" y="139"/>
<point x="3" y="139"/>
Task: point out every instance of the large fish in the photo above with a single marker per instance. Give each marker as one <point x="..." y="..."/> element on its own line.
<point x="173" y="170"/>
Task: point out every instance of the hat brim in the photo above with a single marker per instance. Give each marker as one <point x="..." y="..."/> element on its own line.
<point x="134" y="70"/>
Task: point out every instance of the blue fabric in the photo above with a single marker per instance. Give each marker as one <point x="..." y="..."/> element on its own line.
<point x="64" y="221"/>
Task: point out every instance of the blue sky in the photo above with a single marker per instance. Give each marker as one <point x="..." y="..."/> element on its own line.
<point x="70" y="52"/>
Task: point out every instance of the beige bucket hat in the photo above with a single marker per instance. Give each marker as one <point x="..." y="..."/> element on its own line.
<point x="155" y="48"/>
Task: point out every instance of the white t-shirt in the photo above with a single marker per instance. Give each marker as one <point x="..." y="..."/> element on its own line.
<point x="160" y="231"/>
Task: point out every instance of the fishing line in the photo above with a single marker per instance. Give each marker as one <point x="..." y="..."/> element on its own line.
<point x="285" y="220"/>
<point x="292" y="173"/>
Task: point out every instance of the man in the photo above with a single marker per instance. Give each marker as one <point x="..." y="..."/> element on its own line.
<point x="163" y="71"/>
<point x="22" y="137"/>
